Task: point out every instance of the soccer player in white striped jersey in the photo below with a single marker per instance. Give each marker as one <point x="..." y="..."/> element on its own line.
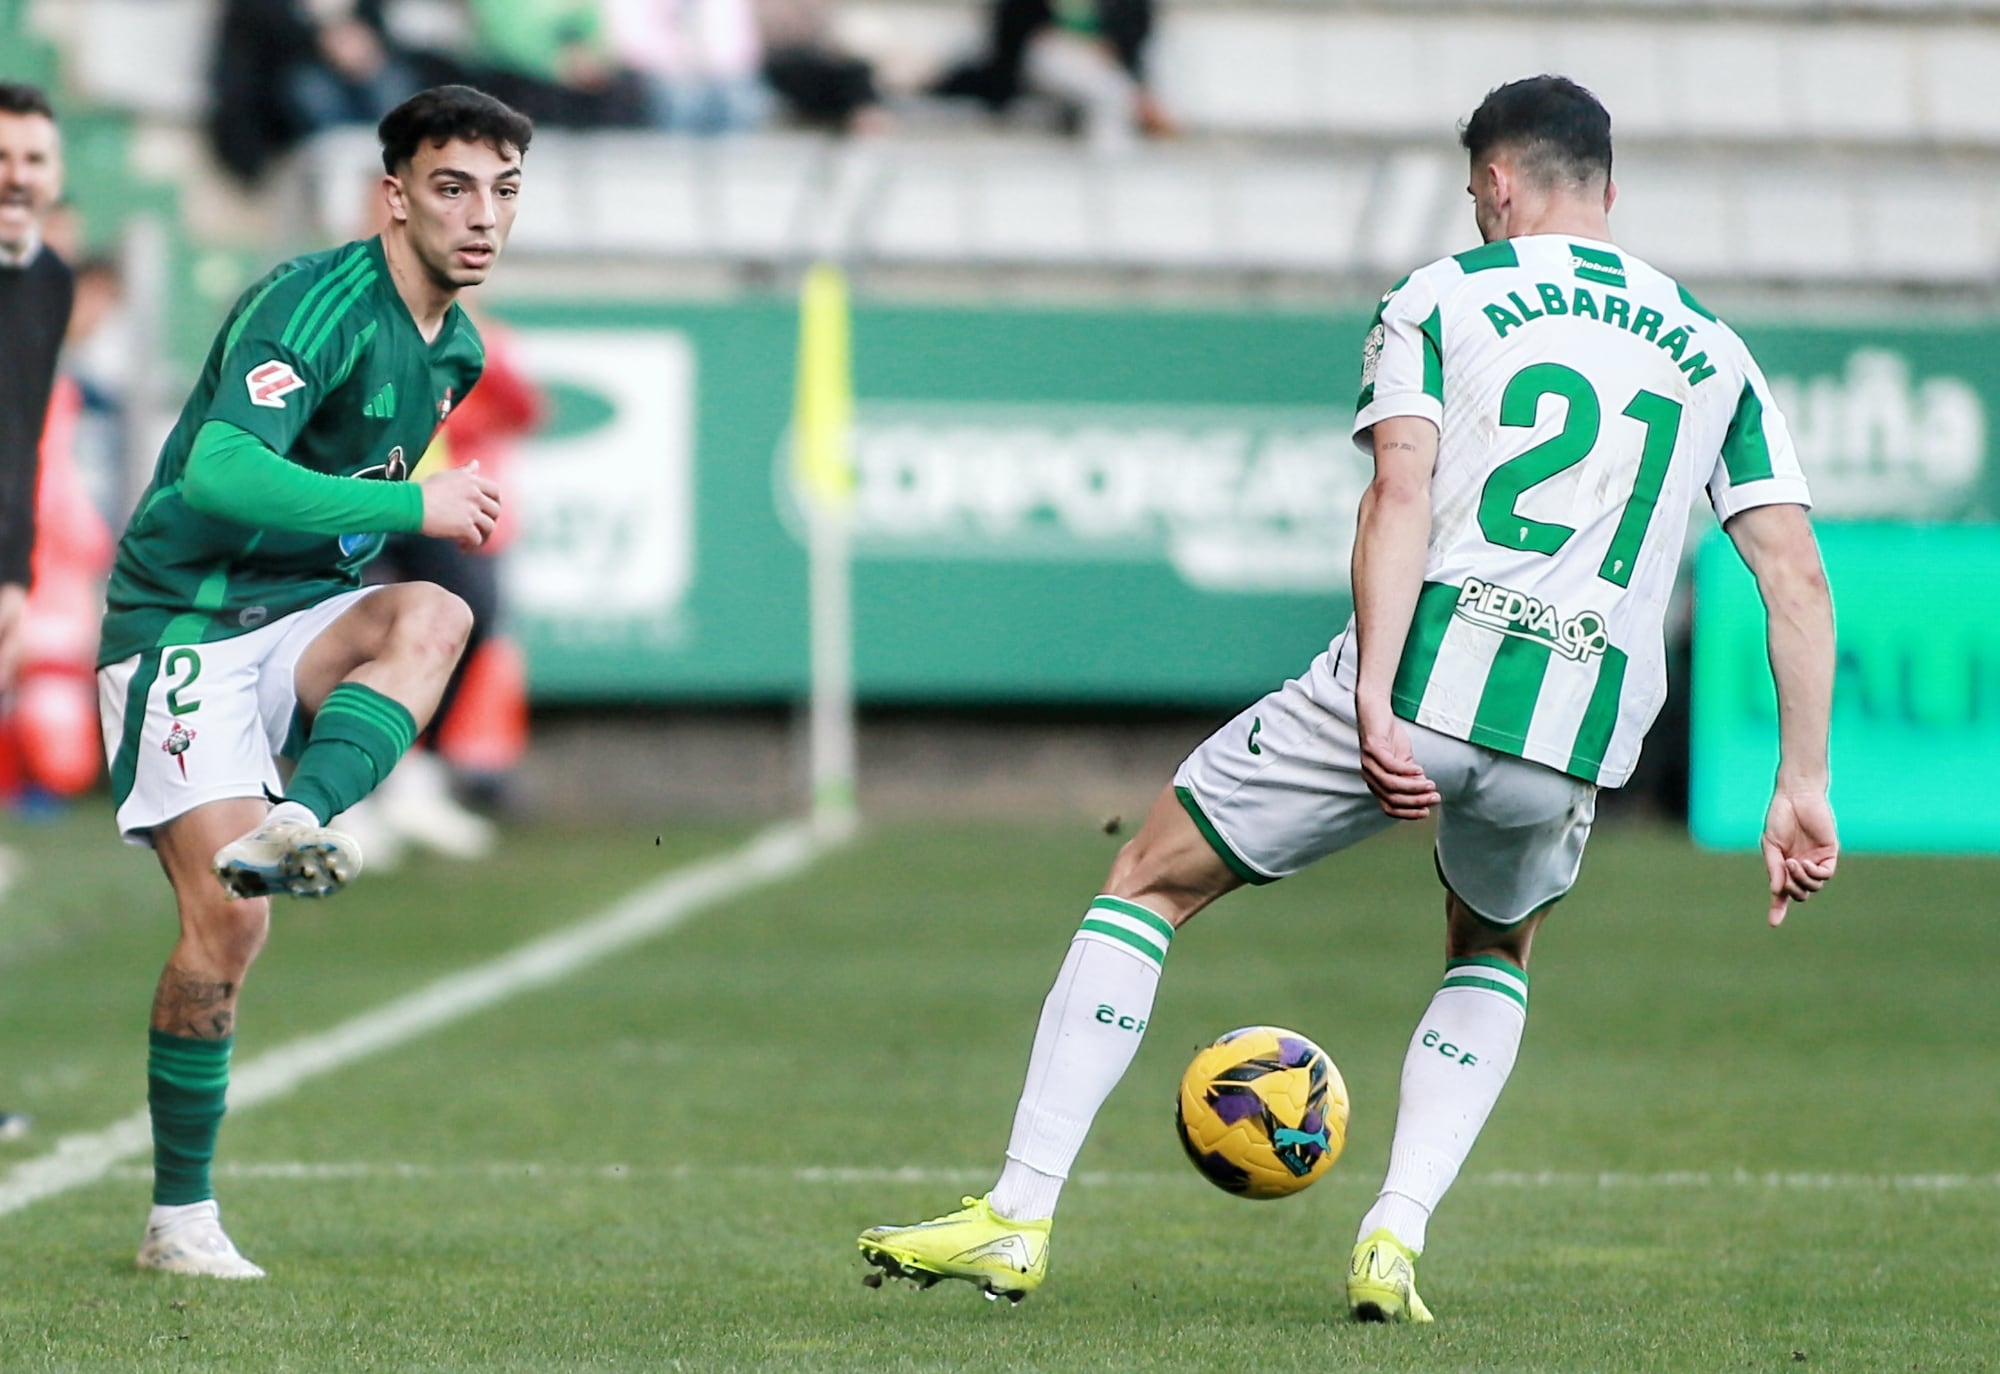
<point x="1540" y="412"/>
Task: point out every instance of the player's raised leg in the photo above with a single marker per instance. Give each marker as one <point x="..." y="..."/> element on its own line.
<point x="370" y="680"/>
<point x="1090" y="1028"/>
<point x="193" y="1025"/>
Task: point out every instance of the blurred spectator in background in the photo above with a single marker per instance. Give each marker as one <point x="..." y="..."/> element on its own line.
<point x="699" y="60"/>
<point x="1088" y="54"/>
<point x="49" y="740"/>
<point x="97" y="360"/>
<point x="286" y="69"/>
<point x="552" y="60"/>
<point x="35" y="296"/>
<point x="36" y="291"/>
<point x="820" y="81"/>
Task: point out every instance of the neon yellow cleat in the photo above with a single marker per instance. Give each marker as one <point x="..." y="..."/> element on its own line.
<point x="1004" y="1258"/>
<point x="1382" y="1281"/>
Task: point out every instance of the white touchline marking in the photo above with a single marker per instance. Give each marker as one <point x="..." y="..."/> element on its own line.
<point x="298" y="1171"/>
<point x="777" y="853"/>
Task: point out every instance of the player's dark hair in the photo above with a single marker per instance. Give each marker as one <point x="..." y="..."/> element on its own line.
<point x="443" y="113"/>
<point x="1558" y="130"/>
<point x="19" y="98"/>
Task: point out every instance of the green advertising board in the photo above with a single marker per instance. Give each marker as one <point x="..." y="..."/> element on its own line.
<point x="1051" y="506"/>
<point x="1916" y="711"/>
<point x="1069" y="506"/>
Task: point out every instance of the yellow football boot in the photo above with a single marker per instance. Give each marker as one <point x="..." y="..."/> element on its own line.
<point x="1382" y="1281"/>
<point x="1003" y="1258"/>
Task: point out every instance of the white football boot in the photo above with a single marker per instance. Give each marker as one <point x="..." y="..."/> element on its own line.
<point x="190" y="1240"/>
<point x="289" y="856"/>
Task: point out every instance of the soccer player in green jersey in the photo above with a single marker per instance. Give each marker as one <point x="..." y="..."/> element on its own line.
<point x="237" y="628"/>
<point x="1541" y="412"/>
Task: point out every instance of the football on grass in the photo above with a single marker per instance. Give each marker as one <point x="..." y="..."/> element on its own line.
<point x="1262" y="1112"/>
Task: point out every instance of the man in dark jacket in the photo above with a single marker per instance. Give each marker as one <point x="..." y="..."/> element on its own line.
<point x="35" y="294"/>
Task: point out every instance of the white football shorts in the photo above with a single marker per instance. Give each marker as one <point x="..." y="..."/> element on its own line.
<point x="189" y="724"/>
<point x="1280" y="786"/>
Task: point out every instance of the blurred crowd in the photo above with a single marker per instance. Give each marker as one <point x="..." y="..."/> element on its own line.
<point x="287" y="69"/>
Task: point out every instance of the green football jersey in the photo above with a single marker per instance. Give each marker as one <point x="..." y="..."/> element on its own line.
<point x="321" y="362"/>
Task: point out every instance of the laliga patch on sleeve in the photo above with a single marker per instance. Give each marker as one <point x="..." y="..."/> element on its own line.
<point x="271" y="382"/>
<point x="1371" y="354"/>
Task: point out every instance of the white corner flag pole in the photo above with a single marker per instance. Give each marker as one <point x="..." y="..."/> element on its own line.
<point x="823" y="468"/>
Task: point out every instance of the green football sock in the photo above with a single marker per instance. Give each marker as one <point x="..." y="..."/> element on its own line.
<point x="356" y="739"/>
<point x="186" y="1081"/>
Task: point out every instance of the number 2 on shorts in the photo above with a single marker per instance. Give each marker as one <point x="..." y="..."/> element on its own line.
<point x="176" y="661"/>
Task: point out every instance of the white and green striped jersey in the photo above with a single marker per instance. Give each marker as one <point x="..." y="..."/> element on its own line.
<point x="1582" y="398"/>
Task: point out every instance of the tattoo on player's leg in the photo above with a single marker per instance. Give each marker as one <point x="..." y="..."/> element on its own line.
<point x="190" y="1005"/>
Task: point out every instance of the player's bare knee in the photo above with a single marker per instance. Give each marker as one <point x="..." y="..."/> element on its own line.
<point x="433" y="626"/>
<point x="228" y="934"/>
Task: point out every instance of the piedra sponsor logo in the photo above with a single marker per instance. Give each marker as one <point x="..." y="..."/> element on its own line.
<point x="1576" y="637"/>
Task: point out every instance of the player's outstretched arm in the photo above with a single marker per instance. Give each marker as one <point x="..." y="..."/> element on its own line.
<point x="233" y="475"/>
<point x="1801" y="843"/>
<point x="1391" y="538"/>
<point x="460" y="505"/>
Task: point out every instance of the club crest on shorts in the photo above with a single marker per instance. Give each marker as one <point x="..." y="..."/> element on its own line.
<point x="179" y="740"/>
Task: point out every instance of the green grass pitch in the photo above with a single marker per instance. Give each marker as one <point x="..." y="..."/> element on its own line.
<point x="1725" y="1148"/>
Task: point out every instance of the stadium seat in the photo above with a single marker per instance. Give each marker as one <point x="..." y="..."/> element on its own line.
<point x="1035" y="208"/>
<point x="1362" y="84"/>
<point x="1295" y="215"/>
<point x="1855" y="83"/>
<point x="1958" y="90"/>
<point x="1759" y="142"/>
<point x="1729" y="80"/>
<point x="148" y="56"/>
<point x="1241" y="71"/>
<point x="1165" y="211"/>
<point x="1406" y="221"/>
<point x="760" y="190"/>
<point x="922" y="215"/>
<point x="1622" y="60"/>
<point x="1678" y="213"/>
<point x="1925" y="229"/>
<point x="1798" y="223"/>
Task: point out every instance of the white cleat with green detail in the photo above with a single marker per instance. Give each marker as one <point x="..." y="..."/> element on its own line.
<point x="190" y="1240"/>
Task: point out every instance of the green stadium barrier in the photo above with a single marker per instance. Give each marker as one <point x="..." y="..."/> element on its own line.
<point x="1145" y="506"/>
<point x="1052" y="505"/>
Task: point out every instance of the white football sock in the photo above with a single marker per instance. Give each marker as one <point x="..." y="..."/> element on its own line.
<point x="293" y="811"/>
<point x="1091" y="1025"/>
<point x="166" y="1218"/>
<point x="1457" y="1063"/>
